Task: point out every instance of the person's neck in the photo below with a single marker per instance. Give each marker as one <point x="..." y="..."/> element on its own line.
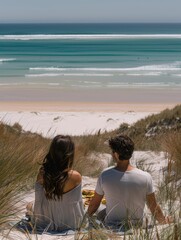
<point x="123" y="166"/>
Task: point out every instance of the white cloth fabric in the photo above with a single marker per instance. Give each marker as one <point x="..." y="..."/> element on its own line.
<point x="125" y="194"/>
<point x="58" y="215"/>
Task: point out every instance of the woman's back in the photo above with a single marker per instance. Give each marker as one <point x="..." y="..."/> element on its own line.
<point x="58" y="198"/>
<point x="59" y="214"/>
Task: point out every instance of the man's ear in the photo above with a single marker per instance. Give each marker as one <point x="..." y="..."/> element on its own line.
<point x="116" y="156"/>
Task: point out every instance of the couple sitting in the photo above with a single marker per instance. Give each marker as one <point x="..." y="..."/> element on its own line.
<point x="58" y="202"/>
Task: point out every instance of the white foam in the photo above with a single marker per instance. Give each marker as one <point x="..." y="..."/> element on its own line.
<point x="145" y="74"/>
<point x="139" y="85"/>
<point x="11" y="84"/>
<point x="43" y="75"/>
<point x="68" y="74"/>
<point x="175" y="66"/>
<point x="89" y="36"/>
<point x="7" y="59"/>
<point x="53" y="84"/>
<point x="46" y="69"/>
<point x="84" y="84"/>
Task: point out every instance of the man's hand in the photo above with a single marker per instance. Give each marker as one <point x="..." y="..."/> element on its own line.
<point x="156" y="210"/>
<point x="94" y="203"/>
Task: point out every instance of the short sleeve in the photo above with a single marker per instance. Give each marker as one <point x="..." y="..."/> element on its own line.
<point x="99" y="189"/>
<point x="150" y="188"/>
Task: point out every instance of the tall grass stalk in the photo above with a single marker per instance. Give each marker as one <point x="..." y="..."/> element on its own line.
<point x="19" y="164"/>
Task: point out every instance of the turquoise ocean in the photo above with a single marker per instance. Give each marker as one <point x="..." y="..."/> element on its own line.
<point x="91" y="55"/>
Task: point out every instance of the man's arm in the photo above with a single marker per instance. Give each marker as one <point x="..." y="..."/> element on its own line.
<point x="94" y="204"/>
<point x="156" y="210"/>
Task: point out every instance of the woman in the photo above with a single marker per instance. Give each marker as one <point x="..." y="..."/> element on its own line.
<point x="58" y="200"/>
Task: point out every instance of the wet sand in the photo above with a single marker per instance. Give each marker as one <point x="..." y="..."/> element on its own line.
<point x="24" y="98"/>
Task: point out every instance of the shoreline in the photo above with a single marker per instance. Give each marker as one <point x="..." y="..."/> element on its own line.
<point x="59" y="106"/>
<point x="103" y="99"/>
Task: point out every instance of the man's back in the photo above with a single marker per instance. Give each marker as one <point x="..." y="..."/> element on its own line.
<point x="125" y="194"/>
<point x="126" y="188"/>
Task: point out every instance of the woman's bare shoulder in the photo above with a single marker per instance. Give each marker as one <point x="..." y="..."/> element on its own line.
<point x="75" y="177"/>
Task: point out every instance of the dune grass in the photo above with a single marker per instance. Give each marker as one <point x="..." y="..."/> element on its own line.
<point x="148" y="133"/>
<point x="172" y="145"/>
<point x="19" y="157"/>
<point x="87" y="148"/>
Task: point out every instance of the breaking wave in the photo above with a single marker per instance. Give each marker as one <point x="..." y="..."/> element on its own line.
<point x="89" y="36"/>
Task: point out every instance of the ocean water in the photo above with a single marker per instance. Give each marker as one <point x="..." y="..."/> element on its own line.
<point x="91" y="55"/>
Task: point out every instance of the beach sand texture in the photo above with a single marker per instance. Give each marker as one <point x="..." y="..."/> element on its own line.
<point x="50" y="124"/>
<point x="75" y="118"/>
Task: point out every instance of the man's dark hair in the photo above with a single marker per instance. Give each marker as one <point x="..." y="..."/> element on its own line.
<point x="122" y="145"/>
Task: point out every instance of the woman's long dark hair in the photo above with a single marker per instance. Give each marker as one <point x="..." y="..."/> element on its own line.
<point x="56" y="165"/>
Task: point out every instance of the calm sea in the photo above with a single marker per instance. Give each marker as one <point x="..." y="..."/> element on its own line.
<point x="91" y="55"/>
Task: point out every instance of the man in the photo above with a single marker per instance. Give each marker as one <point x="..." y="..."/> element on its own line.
<point x="126" y="189"/>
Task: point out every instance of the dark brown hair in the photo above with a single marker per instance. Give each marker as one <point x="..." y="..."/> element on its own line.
<point x="56" y="165"/>
<point x="122" y="145"/>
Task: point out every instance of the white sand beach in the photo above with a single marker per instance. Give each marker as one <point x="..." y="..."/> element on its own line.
<point x="74" y="118"/>
<point x="50" y="124"/>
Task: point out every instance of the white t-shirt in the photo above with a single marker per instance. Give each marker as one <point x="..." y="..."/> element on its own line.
<point x="125" y="194"/>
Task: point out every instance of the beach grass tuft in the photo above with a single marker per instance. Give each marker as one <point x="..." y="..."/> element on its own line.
<point x="19" y="159"/>
<point x="149" y="132"/>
